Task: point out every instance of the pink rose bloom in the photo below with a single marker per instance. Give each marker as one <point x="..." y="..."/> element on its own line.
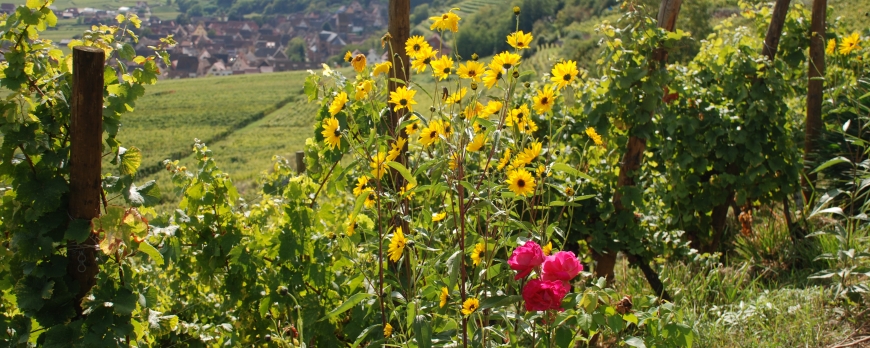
<point x="562" y="266"/>
<point x="542" y="295"/>
<point x="526" y="258"/>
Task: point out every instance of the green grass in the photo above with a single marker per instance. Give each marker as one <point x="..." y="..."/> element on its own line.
<point x="173" y="113"/>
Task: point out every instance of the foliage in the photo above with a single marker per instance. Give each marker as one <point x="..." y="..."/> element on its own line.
<point x="40" y="235"/>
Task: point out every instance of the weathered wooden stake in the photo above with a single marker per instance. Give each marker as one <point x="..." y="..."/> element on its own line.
<point x="300" y="162"/>
<point x="815" y="93"/>
<point x="86" y="134"/>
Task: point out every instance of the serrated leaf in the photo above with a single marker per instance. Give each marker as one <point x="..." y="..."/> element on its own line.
<point x="344" y="307"/>
<point x="131" y="159"/>
<point x="125" y="301"/>
<point x="146" y="195"/>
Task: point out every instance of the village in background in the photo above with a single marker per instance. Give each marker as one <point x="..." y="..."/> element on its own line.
<point x="218" y="46"/>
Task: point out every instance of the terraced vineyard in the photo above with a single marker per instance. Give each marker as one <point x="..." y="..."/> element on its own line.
<point x="175" y="112"/>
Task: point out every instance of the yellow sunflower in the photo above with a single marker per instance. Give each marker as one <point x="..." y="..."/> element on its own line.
<point x="397" y="245"/>
<point x="388" y="330"/>
<point x="407" y="190"/>
<point x="359" y="62"/>
<point x="850" y="43"/>
<point x="331" y="133"/>
<point x="518" y="116"/>
<point x="521" y="182"/>
<point x="441" y="67"/>
<point x="370" y="202"/>
<point x="470" y="305"/>
<point x="506" y="157"/>
<point x="477" y="143"/>
<point x="363" y="88"/>
<point x="338" y="104"/>
<point x="505" y="60"/>
<point x="378" y="165"/>
<point x="520" y="40"/>
<point x="415" y="45"/>
<point x="564" y="73"/>
<point x="594" y="136"/>
<point x="528" y="155"/>
<point x="396" y="149"/>
<point x="431" y="134"/>
<point x="446" y="21"/>
<point x="472" y="111"/>
<point x="477" y="254"/>
<point x="351" y="227"/>
<point x="348" y="56"/>
<point x="361" y="186"/>
<point x="544" y="100"/>
<point x="548" y="249"/>
<point x="831" y="47"/>
<point x="438" y="217"/>
<point x="443" y="297"/>
<point x="412" y="128"/>
<point x="491" y="77"/>
<point x="382" y="68"/>
<point x="426" y="56"/>
<point x="493" y="107"/>
<point x="403" y="98"/>
<point x="454" y="161"/>
<point x="455" y="98"/>
<point x="472" y="70"/>
<point x="569" y="191"/>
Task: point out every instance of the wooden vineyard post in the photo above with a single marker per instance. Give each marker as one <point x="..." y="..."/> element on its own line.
<point x="86" y="134"/>
<point x="815" y="93"/>
<point x="633" y="157"/>
<point x="300" y="162"/>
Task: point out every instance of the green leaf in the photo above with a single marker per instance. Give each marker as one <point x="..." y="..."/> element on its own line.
<point x="423" y="331"/>
<point x="453" y="268"/>
<point x="630" y="317"/>
<point x="146" y="195"/>
<point x="152" y="252"/>
<point x="352" y="301"/>
<point x="499" y="301"/>
<point x="635" y="342"/>
<point x="363" y="334"/>
<point x="404" y="171"/>
<point x="562" y="167"/>
<point x="78" y="230"/>
<point x="832" y="162"/>
<point x="125" y="301"/>
<point x="131" y="159"/>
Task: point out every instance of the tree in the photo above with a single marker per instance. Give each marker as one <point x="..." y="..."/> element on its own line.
<point x="296" y="49"/>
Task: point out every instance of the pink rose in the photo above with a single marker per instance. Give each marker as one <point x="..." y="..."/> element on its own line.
<point x="542" y="295"/>
<point x="526" y="258"/>
<point x="562" y="266"/>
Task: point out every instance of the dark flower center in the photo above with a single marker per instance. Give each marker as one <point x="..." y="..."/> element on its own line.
<point x="472" y="73"/>
<point x="444" y="17"/>
<point x="507" y="66"/>
<point x="403" y="102"/>
<point x="520" y="116"/>
<point x="414" y="126"/>
<point x="416" y="47"/>
<point x="446" y="70"/>
<point x="521" y="183"/>
<point x="433" y="134"/>
<point x="336" y="133"/>
<point x="426" y="61"/>
<point x="567" y="77"/>
<point x="545" y="100"/>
